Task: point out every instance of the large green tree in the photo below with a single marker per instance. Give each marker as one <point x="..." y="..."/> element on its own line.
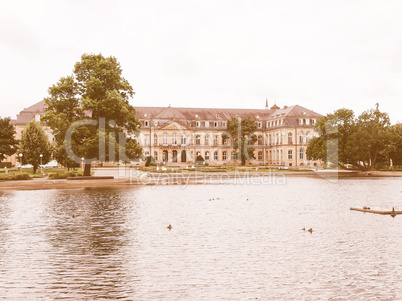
<point x="344" y="139"/>
<point x="332" y="144"/>
<point x="90" y="114"/>
<point x="395" y="147"/>
<point x="8" y="142"/>
<point x="34" y="143"/>
<point x="241" y="132"/>
<point x="371" y="138"/>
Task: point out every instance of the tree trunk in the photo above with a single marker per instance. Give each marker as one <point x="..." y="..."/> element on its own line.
<point x="34" y="168"/>
<point x="87" y="169"/>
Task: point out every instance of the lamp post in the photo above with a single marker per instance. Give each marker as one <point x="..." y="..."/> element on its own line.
<point x="21" y="160"/>
<point x="82" y="164"/>
<point x="41" y="170"/>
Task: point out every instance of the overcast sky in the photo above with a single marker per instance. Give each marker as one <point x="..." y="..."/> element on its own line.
<point x="323" y="55"/>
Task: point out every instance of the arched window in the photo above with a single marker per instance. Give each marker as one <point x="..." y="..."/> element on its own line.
<point x="308" y="137"/>
<point x="215" y="139"/>
<point x="183" y="139"/>
<point x="206" y="156"/>
<point x="301" y="140"/>
<point x="301" y="154"/>
<point x="290" y="138"/>
<point x="174" y="139"/>
<point x="197" y="139"/>
<point x="207" y="139"/>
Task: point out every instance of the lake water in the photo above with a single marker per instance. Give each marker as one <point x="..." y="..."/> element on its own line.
<point x="246" y="245"/>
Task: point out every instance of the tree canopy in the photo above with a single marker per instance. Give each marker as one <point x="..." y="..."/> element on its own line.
<point x="90" y="114"/>
<point x="344" y="139"/>
<point x="8" y="143"/>
<point x="34" y="143"/>
<point x="241" y="132"/>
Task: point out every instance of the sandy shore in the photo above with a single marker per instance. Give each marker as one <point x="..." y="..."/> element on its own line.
<point x="179" y="179"/>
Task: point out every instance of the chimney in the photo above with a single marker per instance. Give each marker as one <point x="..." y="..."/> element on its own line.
<point x="266" y="103"/>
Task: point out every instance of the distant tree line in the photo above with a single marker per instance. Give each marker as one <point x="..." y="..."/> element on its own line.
<point x="366" y="142"/>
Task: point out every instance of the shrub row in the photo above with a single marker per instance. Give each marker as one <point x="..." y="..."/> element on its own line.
<point x="15" y="177"/>
<point x="64" y="175"/>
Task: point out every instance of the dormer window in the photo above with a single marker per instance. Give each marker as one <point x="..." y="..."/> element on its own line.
<point x="224" y="124"/>
<point x="146" y="123"/>
<point x="259" y="124"/>
<point x="197" y="124"/>
<point x="216" y="124"/>
<point x="207" y="124"/>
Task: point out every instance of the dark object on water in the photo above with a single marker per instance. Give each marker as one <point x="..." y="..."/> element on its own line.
<point x="169" y="227"/>
<point x="310" y="230"/>
<point x="392" y="212"/>
<point x="304" y="229"/>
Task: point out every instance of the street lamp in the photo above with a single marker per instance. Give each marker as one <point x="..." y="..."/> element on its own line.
<point x="41" y="170"/>
<point x="21" y="160"/>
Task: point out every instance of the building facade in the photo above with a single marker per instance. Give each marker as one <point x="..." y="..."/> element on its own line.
<point x="178" y="135"/>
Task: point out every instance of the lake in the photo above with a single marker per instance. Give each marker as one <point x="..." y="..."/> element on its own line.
<point x="227" y="242"/>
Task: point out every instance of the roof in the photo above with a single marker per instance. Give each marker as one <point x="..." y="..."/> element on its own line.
<point x="194" y="114"/>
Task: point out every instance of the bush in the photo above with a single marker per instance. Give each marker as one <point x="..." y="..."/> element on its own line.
<point x="64" y="175"/>
<point x="15" y="177"/>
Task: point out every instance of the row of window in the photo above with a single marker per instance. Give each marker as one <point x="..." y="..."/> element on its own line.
<point x="271" y="139"/>
<point x="271" y="123"/>
<point x="275" y="155"/>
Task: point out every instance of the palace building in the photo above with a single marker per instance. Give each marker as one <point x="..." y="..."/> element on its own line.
<point x="178" y="135"/>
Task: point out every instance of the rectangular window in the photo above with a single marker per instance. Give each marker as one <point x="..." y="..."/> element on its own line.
<point x="174" y="139"/>
<point x="165" y="139"/>
<point x="146" y="138"/>
<point x="215" y="139"/>
<point x="224" y="156"/>
<point x="206" y="156"/>
<point x="206" y="139"/>
<point x="290" y="154"/>
<point x="216" y="156"/>
<point x="156" y="156"/>
<point x="260" y="156"/>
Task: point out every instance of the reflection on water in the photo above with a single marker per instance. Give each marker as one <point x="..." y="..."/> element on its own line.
<point x="247" y="243"/>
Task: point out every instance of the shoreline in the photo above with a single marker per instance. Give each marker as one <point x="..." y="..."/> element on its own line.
<point x="197" y="178"/>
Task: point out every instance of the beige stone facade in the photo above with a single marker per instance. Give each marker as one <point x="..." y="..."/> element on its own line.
<point x="177" y="136"/>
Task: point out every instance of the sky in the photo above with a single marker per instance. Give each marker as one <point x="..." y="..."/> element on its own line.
<point x="322" y="55"/>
